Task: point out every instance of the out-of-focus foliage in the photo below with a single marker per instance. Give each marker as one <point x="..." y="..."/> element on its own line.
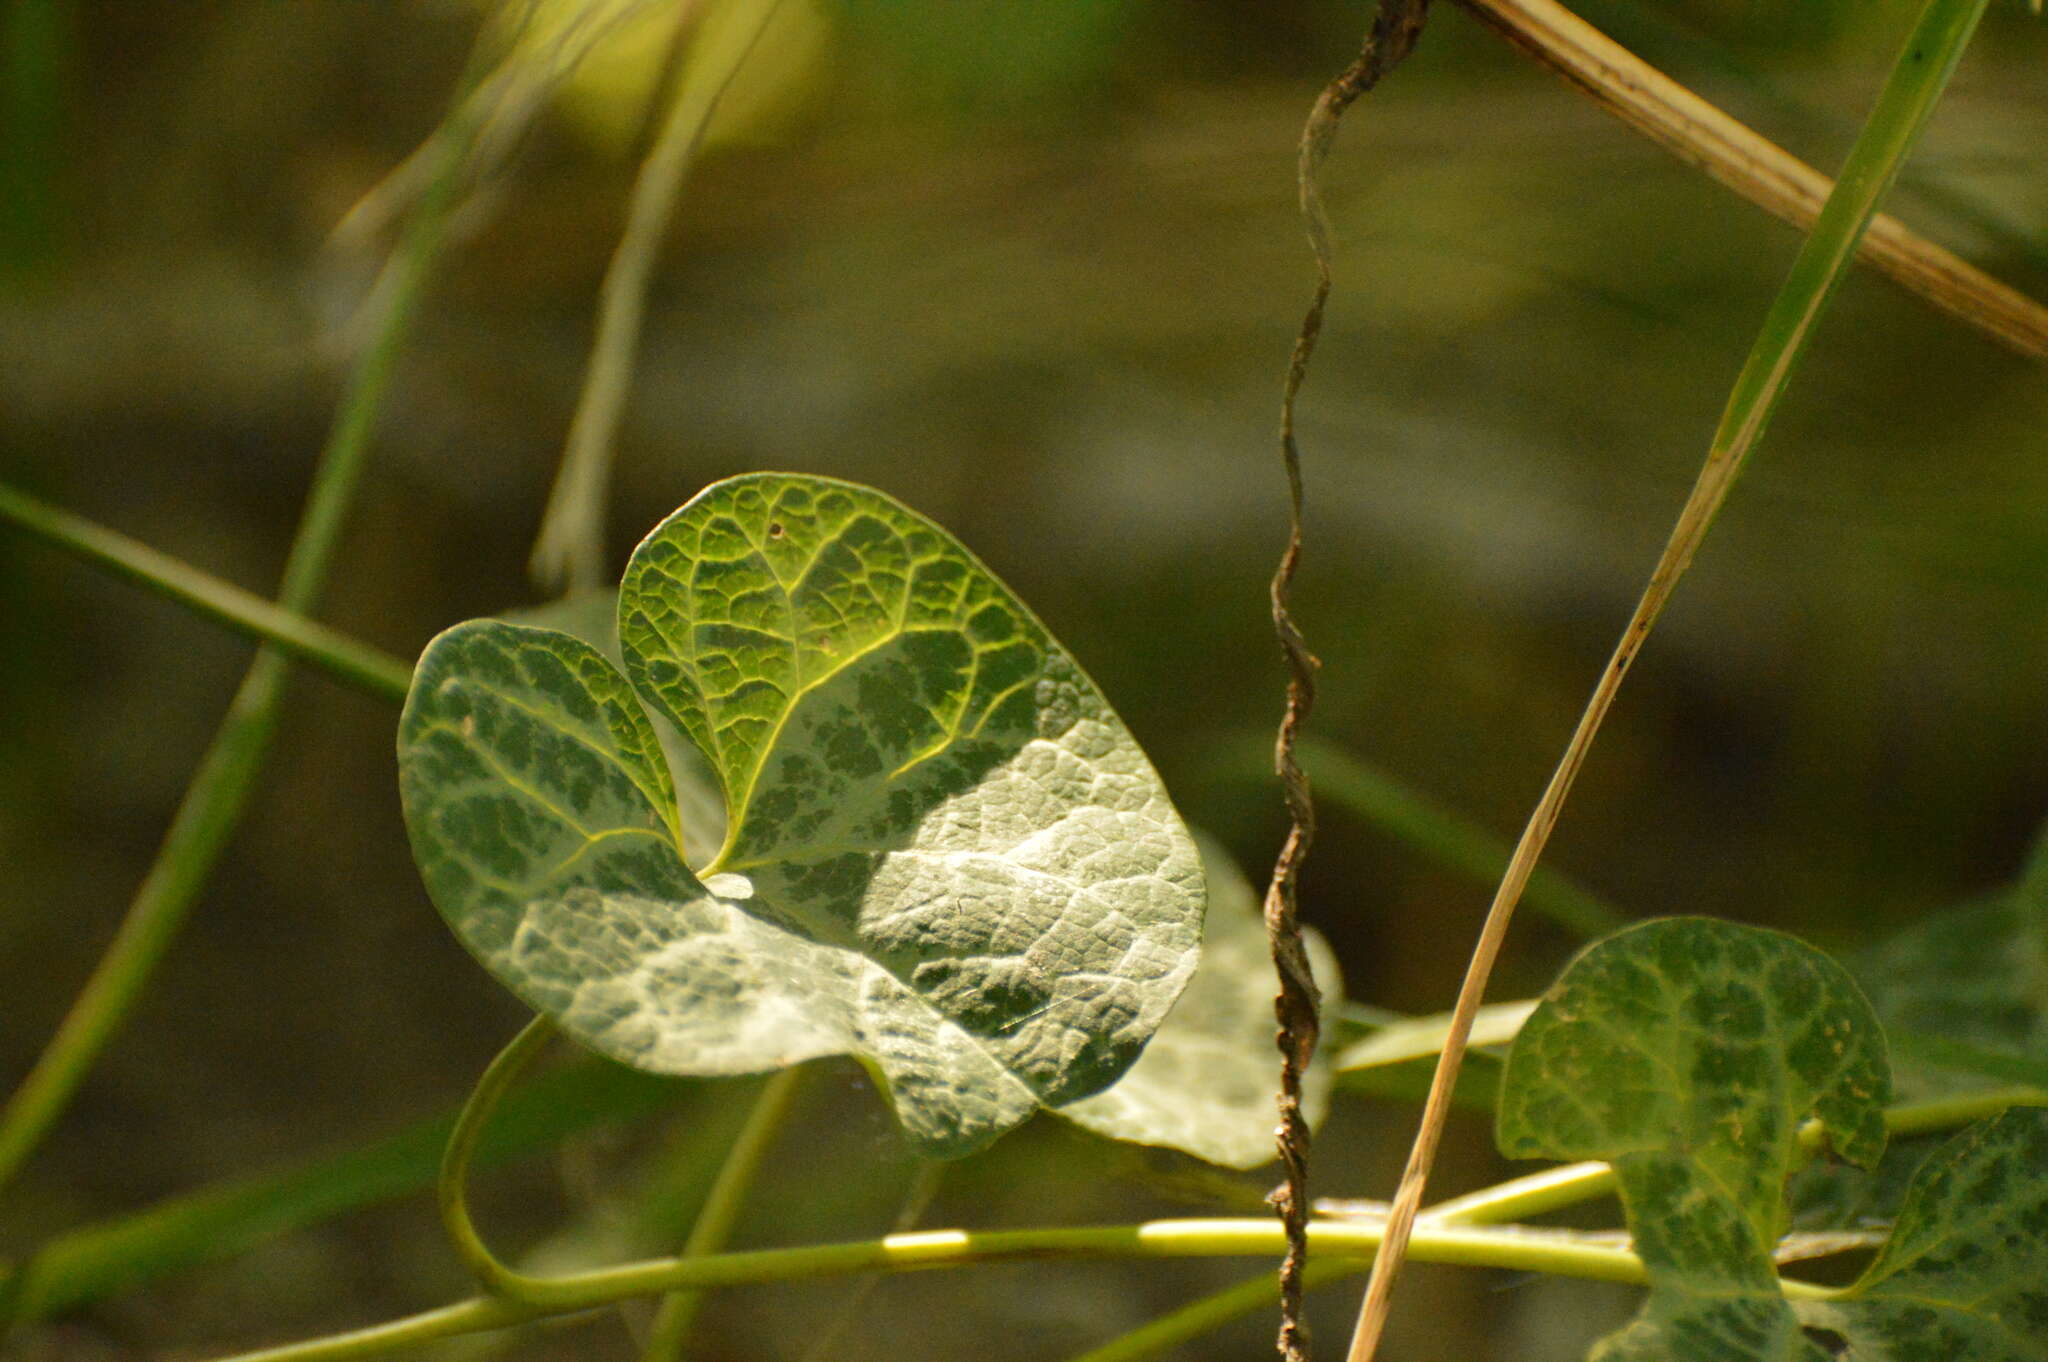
<point x="1034" y="268"/>
<point x="637" y="47"/>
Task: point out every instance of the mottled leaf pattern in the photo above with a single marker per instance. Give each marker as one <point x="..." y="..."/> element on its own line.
<point x="943" y="854"/>
<point x="1964" y="1277"/>
<point x="1205" y="1085"/>
<point x="593" y="616"/>
<point x="1687" y="1052"/>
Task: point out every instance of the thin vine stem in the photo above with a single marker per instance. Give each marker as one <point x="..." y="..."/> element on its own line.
<point x="236" y="1215"/>
<point x="1932" y="50"/>
<point x="721" y="1210"/>
<point x="1512" y="1248"/>
<point x="1396" y="26"/>
<point x="917" y="1199"/>
<point x="354" y="663"/>
<point x="451" y="1187"/>
<point x="213" y="803"/>
<point x="1514" y="1201"/>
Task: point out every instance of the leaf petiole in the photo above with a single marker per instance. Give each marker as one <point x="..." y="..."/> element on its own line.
<point x="490" y="1271"/>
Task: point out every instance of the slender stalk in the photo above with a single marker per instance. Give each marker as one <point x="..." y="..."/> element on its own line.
<point x="220" y="790"/>
<point x="451" y="1187"/>
<point x="1745" y="161"/>
<point x="721" y="1210"/>
<point x="96" y="1261"/>
<point x="368" y="669"/>
<point x="1999" y="226"/>
<point x="1523" y="1197"/>
<point x="569" y="551"/>
<point x="1515" y="1249"/>
<point x="917" y="1199"/>
<point x="1507" y="1201"/>
<point x="1946" y="1113"/>
<point x="1517" y="1200"/>
<point x="1894" y="125"/>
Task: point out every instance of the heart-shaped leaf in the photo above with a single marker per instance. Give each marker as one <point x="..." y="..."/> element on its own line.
<point x="944" y="854"/>
<point x="1687" y="1053"/>
<point x="1207" y="1083"/>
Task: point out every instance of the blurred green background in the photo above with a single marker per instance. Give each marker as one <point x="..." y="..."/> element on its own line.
<point x="1034" y="268"/>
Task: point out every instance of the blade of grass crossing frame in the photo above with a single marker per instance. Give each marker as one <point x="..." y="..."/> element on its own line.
<point x="1910" y="93"/>
<point x="215" y="1222"/>
<point x="1705" y="137"/>
<point x="375" y="673"/>
<point x="721" y="1210"/>
<point x="220" y="790"/>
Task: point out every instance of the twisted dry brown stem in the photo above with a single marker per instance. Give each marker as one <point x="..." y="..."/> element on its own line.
<point x="1394" y="31"/>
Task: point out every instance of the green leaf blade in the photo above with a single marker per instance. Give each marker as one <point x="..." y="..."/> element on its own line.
<point x="1205" y="1084"/>
<point x="1698" y="1034"/>
<point x="944" y="854"/>
<point x="528" y="766"/>
<point x="1688" y="1052"/>
<point x="1965" y="1272"/>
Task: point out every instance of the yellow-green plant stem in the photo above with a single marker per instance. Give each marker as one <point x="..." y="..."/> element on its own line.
<point x="451" y="1187"/>
<point x="213" y="803"/>
<point x="1507" y="1201"/>
<point x="1476" y="1246"/>
<point x="368" y="669"/>
<point x="94" y="1261"/>
<point x="1910" y="93"/>
<point x="721" y="1210"/>
<point x="1515" y="1200"/>
<point x="1946" y="1113"/>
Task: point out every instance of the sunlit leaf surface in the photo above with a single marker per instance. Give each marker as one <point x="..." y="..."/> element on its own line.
<point x="944" y="853"/>
<point x="1206" y="1084"/>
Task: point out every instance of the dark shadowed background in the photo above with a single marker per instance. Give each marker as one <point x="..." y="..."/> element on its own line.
<point x="1034" y="268"/>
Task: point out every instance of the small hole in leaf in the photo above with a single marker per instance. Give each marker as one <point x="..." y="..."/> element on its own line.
<point x="775" y="529"/>
<point x="1827" y="1340"/>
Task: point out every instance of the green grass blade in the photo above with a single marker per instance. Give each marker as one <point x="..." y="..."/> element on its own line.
<point x="213" y="803"/>
<point x="96" y="1261"/>
<point x="370" y="670"/>
<point x="721" y="1210"/>
<point x="1430" y="829"/>
<point x="1895" y="123"/>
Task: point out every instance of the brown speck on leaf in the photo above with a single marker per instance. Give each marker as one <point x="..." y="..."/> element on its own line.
<point x="775" y="530"/>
